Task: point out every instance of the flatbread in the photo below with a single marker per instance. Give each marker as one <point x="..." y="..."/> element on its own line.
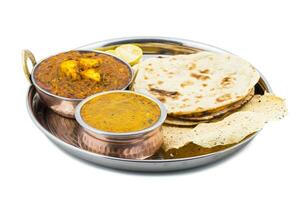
<point x="174" y="130"/>
<point x="228" y="109"/>
<point x="195" y="83"/>
<point x="271" y="106"/>
<point x="232" y="129"/>
<point x="180" y="120"/>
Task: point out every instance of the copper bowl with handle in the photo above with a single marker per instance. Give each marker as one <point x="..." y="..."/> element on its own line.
<point x="133" y="145"/>
<point x="61" y="105"/>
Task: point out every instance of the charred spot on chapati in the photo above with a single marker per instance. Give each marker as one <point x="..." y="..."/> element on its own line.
<point x="223" y="98"/>
<point x="148" y="69"/>
<point x="186" y="83"/>
<point x="206" y="71"/>
<point x="162" y="99"/>
<point x="200" y="76"/>
<point x="164" y="93"/>
<point x="192" y="66"/>
<point x="227" y="81"/>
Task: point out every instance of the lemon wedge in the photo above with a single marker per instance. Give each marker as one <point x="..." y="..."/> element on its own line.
<point x="111" y="51"/>
<point x="129" y="53"/>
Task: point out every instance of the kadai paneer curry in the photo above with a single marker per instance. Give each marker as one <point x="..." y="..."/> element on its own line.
<point x="77" y="74"/>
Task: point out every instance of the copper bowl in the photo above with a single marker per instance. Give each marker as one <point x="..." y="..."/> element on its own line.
<point x="133" y="145"/>
<point x="61" y="105"/>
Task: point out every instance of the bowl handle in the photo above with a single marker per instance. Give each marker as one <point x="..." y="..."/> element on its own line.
<point x="27" y="54"/>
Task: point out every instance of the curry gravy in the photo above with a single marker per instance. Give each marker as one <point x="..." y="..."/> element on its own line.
<point x="120" y="112"/>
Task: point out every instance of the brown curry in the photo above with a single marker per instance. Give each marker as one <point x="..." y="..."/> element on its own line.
<point x="76" y="74"/>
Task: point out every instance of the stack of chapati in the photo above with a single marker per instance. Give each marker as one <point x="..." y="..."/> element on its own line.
<point x="198" y="87"/>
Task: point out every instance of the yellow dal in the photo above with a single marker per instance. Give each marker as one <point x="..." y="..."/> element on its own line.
<point x="120" y="112"/>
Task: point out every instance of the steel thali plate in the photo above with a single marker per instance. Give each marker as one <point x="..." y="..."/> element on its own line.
<point x="60" y="130"/>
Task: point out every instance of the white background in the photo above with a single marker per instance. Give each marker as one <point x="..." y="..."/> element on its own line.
<point x="270" y="34"/>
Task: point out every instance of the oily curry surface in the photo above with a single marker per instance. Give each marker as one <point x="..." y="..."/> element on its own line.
<point x="77" y="74"/>
<point x="120" y="112"/>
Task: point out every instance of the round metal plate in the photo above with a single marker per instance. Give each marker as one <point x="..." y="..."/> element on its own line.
<point x="60" y="130"/>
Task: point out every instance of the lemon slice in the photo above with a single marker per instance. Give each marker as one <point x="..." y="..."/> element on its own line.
<point x="111" y="51"/>
<point x="129" y="53"/>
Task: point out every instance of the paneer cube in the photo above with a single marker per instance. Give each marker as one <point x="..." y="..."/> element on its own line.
<point x="87" y="63"/>
<point x="91" y="74"/>
<point x="69" y="68"/>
